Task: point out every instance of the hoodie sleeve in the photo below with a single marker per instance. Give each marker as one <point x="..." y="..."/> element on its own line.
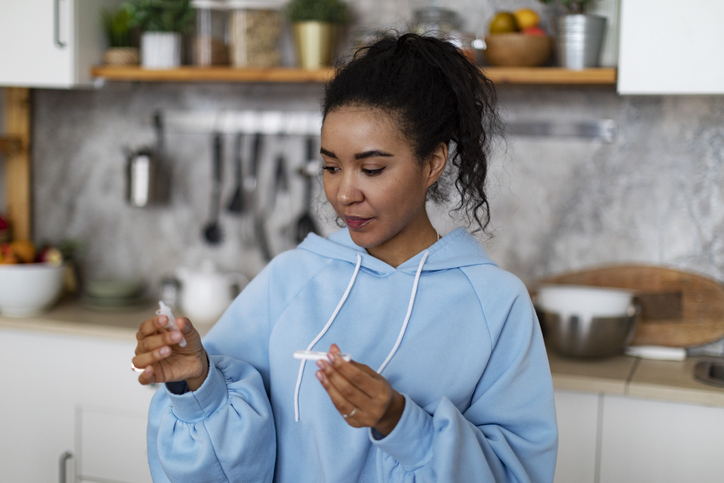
<point x="509" y="431"/>
<point x="224" y="431"/>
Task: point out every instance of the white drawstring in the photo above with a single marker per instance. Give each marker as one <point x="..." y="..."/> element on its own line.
<point x="334" y="315"/>
<point x="321" y="334"/>
<point x="407" y="317"/>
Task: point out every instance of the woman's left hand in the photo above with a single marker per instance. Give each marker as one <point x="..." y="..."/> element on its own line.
<point x="363" y="397"/>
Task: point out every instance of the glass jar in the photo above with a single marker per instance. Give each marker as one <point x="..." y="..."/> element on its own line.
<point x="435" y="21"/>
<point x="211" y="41"/>
<point x="254" y="31"/>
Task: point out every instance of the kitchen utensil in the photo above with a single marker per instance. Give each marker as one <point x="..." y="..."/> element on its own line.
<point x="250" y="185"/>
<point x="206" y="293"/>
<point x="141" y="177"/>
<point x="575" y="336"/>
<point x="517" y="50"/>
<point x="29" y="289"/>
<point x="212" y="230"/>
<point x="678" y="309"/>
<point x="656" y="352"/>
<point x="237" y="205"/>
<point x="306" y="224"/>
<point x="710" y="372"/>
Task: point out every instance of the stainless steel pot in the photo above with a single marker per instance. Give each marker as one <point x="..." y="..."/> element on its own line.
<point x="577" y="336"/>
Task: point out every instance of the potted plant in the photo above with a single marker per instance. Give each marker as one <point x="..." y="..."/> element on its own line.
<point x="118" y="27"/>
<point x="315" y="24"/>
<point x="579" y="36"/>
<point x="162" y="23"/>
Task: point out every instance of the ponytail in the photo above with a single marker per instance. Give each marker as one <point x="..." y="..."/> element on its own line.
<point x="436" y="95"/>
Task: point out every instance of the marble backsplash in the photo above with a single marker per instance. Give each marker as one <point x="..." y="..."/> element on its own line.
<point x="655" y="195"/>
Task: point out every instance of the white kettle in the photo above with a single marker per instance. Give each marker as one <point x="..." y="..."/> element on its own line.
<point x="206" y="293"/>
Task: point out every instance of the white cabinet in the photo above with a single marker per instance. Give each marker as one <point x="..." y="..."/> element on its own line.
<point x="72" y="394"/>
<point x="671" y="47"/>
<point x="653" y="441"/>
<point x="578" y="415"/>
<point x="50" y="43"/>
<point x="38" y="379"/>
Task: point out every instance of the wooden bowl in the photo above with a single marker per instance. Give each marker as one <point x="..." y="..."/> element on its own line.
<point x="517" y="50"/>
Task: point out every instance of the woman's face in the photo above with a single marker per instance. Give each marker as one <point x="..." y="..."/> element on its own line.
<point x="373" y="180"/>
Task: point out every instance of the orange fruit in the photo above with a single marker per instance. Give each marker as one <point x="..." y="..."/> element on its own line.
<point x="526" y="18"/>
<point x="503" y="23"/>
<point x="24" y="250"/>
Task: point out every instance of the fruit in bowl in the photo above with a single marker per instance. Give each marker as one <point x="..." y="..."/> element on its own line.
<point x="31" y="280"/>
<point x="517" y="40"/>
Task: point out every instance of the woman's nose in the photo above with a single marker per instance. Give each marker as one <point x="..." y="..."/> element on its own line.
<point x="349" y="192"/>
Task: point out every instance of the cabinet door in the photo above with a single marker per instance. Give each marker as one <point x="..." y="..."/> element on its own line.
<point x="671" y="47"/>
<point x="112" y="414"/>
<point x="578" y="415"/>
<point x="653" y="441"/>
<point x="36" y="43"/>
<point x="50" y="43"/>
<point x="39" y="379"/>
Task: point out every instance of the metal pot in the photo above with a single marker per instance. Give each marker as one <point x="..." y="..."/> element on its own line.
<point x="579" y="39"/>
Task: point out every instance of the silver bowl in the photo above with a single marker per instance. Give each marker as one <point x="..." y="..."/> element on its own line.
<point x="576" y="336"/>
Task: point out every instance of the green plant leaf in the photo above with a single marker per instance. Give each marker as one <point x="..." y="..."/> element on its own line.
<point x="329" y="11"/>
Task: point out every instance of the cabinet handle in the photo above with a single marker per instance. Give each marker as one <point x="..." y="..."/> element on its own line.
<point x="57" y="25"/>
<point x="63" y="464"/>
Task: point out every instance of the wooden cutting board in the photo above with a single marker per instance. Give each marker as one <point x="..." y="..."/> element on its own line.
<point x="678" y="309"/>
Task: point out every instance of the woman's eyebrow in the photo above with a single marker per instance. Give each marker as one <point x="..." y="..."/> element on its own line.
<point x="367" y="154"/>
<point x="372" y="154"/>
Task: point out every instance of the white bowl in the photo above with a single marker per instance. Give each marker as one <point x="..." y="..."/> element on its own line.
<point x="585" y="302"/>
<point x="29" y="289"/>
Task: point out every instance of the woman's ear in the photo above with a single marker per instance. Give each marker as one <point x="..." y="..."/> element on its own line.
<point x="436" y="164"/>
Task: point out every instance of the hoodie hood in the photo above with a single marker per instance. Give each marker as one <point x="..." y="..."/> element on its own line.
<point x="457" y="249"/>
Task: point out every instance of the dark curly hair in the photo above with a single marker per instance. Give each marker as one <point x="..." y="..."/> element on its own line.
<point x="436" y="95"/>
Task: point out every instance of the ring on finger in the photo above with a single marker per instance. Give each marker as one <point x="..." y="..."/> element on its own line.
<point x="346" y="416"/>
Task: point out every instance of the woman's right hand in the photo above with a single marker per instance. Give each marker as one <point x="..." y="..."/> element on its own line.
<point x="163" y="360"/>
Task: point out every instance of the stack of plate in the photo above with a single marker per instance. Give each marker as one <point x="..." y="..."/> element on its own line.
<point x="113" y="294"/>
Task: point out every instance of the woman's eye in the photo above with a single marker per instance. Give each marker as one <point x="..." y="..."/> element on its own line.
<point x="330" y="169"/>
<point x="373" y="172"/>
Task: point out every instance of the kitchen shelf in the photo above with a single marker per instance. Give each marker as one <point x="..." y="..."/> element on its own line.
<point x="10" y="144"/>
<point x="499" y="75"/>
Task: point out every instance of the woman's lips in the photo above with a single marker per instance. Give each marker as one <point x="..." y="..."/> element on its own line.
<point x="356" y="222"/>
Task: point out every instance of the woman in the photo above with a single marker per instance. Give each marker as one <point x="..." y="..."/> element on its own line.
<point x="449" y="379"/>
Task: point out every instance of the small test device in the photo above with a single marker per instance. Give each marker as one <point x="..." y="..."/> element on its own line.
<point x="318" y="355"/>
<point x="164" y="309"/>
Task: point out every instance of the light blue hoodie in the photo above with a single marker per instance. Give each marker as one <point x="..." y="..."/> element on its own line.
<point x="452" y="332"/>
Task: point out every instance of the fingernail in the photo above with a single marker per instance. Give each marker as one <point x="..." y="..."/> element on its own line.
<point x="321" y="364"/>
<point x="147" y="370"/>
<point x="320" y="376"/>
<point x="176" y="336"/>
<point x="331" y="357"/>
<point x="162" y="320"/>
<point x="165" y="351"/>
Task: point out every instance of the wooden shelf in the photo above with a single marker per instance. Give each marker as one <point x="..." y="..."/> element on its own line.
<point x="211" y="74"/>
<point x="499" y="75"/>
<point x="10" y="144"/>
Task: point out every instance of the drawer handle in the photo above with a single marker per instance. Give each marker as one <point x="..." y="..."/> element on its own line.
<point x="63" y="466"/>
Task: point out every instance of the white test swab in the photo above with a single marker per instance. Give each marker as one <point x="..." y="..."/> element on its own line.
<point x="164" y="309"/>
